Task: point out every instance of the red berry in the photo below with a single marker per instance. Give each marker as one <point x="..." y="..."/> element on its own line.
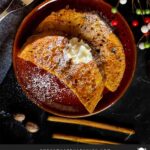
<point x="114" y="22"/>
<point x="147" y="19"/>
<point x="135" y="23"/>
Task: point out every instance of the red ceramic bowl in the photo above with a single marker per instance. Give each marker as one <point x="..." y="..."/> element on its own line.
<point x="75" y="109"/>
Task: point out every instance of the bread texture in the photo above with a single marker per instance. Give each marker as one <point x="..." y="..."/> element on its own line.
<point x="84" y="80"/>
<point x="46" y="49"/>
<point x="107" y="48"/>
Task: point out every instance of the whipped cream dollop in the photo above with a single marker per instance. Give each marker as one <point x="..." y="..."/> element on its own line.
<point x="78" y="51"/>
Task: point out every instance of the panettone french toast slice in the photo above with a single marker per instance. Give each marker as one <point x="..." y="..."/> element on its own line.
<point x="84" y="79"/>
<point x="109" y="53"/>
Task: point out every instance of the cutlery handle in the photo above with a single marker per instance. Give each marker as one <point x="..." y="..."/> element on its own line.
<point x="3" y="15"/>
<point x="91" y="124"/>
<point x="7" y="10"/>
<point x="81" y="139"/>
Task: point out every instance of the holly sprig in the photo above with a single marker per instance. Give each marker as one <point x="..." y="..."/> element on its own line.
<point x="143" y="42"/>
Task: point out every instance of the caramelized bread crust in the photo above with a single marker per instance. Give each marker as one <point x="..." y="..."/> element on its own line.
<point x="107" y="48"/>
<point x="84" y="80"/>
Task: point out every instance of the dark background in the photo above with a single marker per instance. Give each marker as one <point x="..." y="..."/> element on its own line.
<point x="132" y="110"/>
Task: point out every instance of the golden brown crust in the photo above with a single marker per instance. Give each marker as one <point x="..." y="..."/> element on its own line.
<point x="113" y="59"/>
<point x="84" y="80"/>
<point x="89" y="26"/>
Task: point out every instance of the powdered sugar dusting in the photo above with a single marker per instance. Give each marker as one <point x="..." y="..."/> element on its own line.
<point x="46" y="87"/>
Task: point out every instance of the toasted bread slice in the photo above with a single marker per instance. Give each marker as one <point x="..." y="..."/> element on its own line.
<point x="113" y="59"/>
<point x="107" y="48"/>
<point x="83" y="79"/>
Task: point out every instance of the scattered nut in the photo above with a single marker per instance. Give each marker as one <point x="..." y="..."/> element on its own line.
<point x="19" y="117"/>
<point x="32" y="127"/>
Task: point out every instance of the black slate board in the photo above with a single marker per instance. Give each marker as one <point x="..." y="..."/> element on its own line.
<point x="133" y="109"/>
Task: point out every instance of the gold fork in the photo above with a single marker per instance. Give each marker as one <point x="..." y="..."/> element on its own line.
<point x="88" y="123"/>
<point x="13" y="6"/>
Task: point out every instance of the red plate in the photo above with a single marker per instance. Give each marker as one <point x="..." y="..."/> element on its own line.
<point x="71" y="107"/>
